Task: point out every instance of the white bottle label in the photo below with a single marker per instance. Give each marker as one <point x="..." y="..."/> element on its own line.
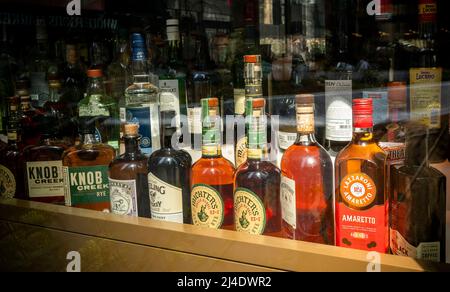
<point x="166" y="201"/>
<point x="338" y="99"/>
<point x="429" y="251"/>
<point x="286" y="140"/>
<point x="170" y="97"/>
<point x="45" y="179"/>
<point x="239" y="101"/>
<point x="288" y="201"/>
<point x="195" y="120"/>
<point x="123" y="196"/>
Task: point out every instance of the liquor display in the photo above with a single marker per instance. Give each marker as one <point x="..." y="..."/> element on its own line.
<point x="128" y="185"/>
<point x="307" y="182"/>
<point x="418" y="203"/>
<point x="169" y="176"/>
<point x="43" y="165"/>
<point x="212" y="175"/>
<point x="85" y="169"/>
<point x="257" y="208"/>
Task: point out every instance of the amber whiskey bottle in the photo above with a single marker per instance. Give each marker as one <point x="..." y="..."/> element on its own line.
<point x="128" y="183"/>
<point x="361" y="195"/>
<point x="43" y="165"/>
<point x="307" y="182"/>
<point x="169" y="176"/>
<point x="85" y="169"/>
<point x="212" y="175"/>
<point x="257" y="208"/>
<point x="11" y="158"/>
<point x="418" y="202"/>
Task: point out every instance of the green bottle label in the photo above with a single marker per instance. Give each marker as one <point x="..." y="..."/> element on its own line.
<point x="87" y="186"/>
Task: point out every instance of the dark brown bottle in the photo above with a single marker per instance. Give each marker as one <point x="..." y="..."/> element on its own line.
<point x="44" y="178"/>
<point x="128" y="178"/>
<point x="418" y="203"/>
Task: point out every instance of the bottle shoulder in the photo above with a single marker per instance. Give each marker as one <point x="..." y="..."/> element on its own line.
<point x="369" y="151"/>
<point x="213" y="165"/>
<point x="261" y="169"/>
<point x="90" y="154"/>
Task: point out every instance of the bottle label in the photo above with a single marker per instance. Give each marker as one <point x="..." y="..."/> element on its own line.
<point x="123" y="115"/>
<point x="211" y="132"/>
<point x="45" y="179"/>
<point x="12" y="136"/>
<point x="427" y="10"/>
<point x="429" y="251"/>
<point x="241" y="151"/>
<point x="39" y="87"/>
<point x="249" y="212"/>
<point x="86" y="186"/>
<point x="170" y="97"/>
<point x="380" y="103"/>
<point x="338" y="99"/>
<point x="7" y="183"/>
<point x="396" y="152"/>
<point x="239" y="101"/>
<point x="147" y="118"/>
<point x="365" y="230"/>
<point x="425" y="96"/>
<point x="123" y="197"/>
<point x="288" y="201"/>
<point x="166" y="200"/>
<point x="286" y="140"/>
<point x="305" y="119"/>
<point x="195" y="120"/>
<point x="207" y="207"/>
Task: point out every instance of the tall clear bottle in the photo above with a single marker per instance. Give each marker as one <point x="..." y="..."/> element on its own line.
<point x="361" y="200"/>
<point x="142" y="99"/>
<point x="307" y="182"/>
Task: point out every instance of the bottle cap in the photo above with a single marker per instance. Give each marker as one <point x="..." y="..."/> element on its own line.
<point x="94" y="73"/>
<point x="252" y="59"/>
<point x="363" y="113"/>
<point x="213" y="102"/>
<point x="304" y="99"/>
<point x="131" y="130"/>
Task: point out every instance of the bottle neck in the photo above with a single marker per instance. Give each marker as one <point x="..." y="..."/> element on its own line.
<point x="13" y="137"/>
<point x="305" y="125"/>
<point x="88" y="139"/>
<point x="211" y="146"/>
<point x="96" y="87"/>
<point x="132" y="146"/>
<point x="363" y="136"/>
<point x="54" y="95"/>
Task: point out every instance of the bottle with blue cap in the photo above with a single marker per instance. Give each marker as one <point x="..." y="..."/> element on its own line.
<point x="142" y="98"/>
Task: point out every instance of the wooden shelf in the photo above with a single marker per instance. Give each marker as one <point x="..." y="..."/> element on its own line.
<point x="38" y="237"/>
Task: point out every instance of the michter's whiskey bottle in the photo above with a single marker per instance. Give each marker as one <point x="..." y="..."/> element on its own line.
<point x="85" y="169"/>
<point x="128" y="185"/>
<point x="361" y="194"/>
<point x="11" y="158"/>
<point x="253" y="89"/>
<point x="212" y="175"/>
<point x="418" y="203"/>
<point x="257" y="208"/>
<point x="307" y="182"/>
<point x="43" y="165"/>
<point x="169" y="177"/>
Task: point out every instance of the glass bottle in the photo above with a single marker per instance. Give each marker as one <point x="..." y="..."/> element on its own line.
<point x="28" y="121"/>
<point x="307" y="182"/>
<point x="212" y="175"/>
<point x="142" y="99"/>
<point x="418" y="203"/>
<point x="128" y="178"/>
<point x="43" y="165"/>
<point x="361" y="204"/>
<point x="85" y="169"/>
<point x="169" y="176"/>
<point x="102" y="109"/>
<point x="257" y="208"/>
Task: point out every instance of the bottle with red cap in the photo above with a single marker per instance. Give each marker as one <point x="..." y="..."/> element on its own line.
<point x="361" y="204"/>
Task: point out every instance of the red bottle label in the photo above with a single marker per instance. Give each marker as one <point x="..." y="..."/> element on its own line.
<point x="360" y="229"/>
<point x="427" y="10"/>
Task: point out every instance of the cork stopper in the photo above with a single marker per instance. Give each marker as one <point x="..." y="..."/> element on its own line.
<point x="305" y="113"/>
<point x="304" y="99"/>
<point x="131" y="130"/>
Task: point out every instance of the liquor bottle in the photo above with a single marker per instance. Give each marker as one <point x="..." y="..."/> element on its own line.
<point x="85" y="170"/>
<point x="128" y="183"/>
<point x="6" y="78"/>
<point x="118" y="74"/>
<point x="59" y="110"/>
<point x="142" y="99"/>
<point x="427" y="102"/>
<point x="212" y="175"/>
<point x="257" y="208"/>
<point x="28" y="121"/>
<point x="172" y="83"/>
<point x="43" y="165"/>
<point x="39" y="67"/>
<point x="102" y="109"/>
<point x="418" y="203"/>
<point x="169" y="177"/>
<point x="253" y="89"/>
<point x="11" y="158"/>
<point x="361" y="195"/>
<point x="74" y="80"/>
<point x="307" y="182"/>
